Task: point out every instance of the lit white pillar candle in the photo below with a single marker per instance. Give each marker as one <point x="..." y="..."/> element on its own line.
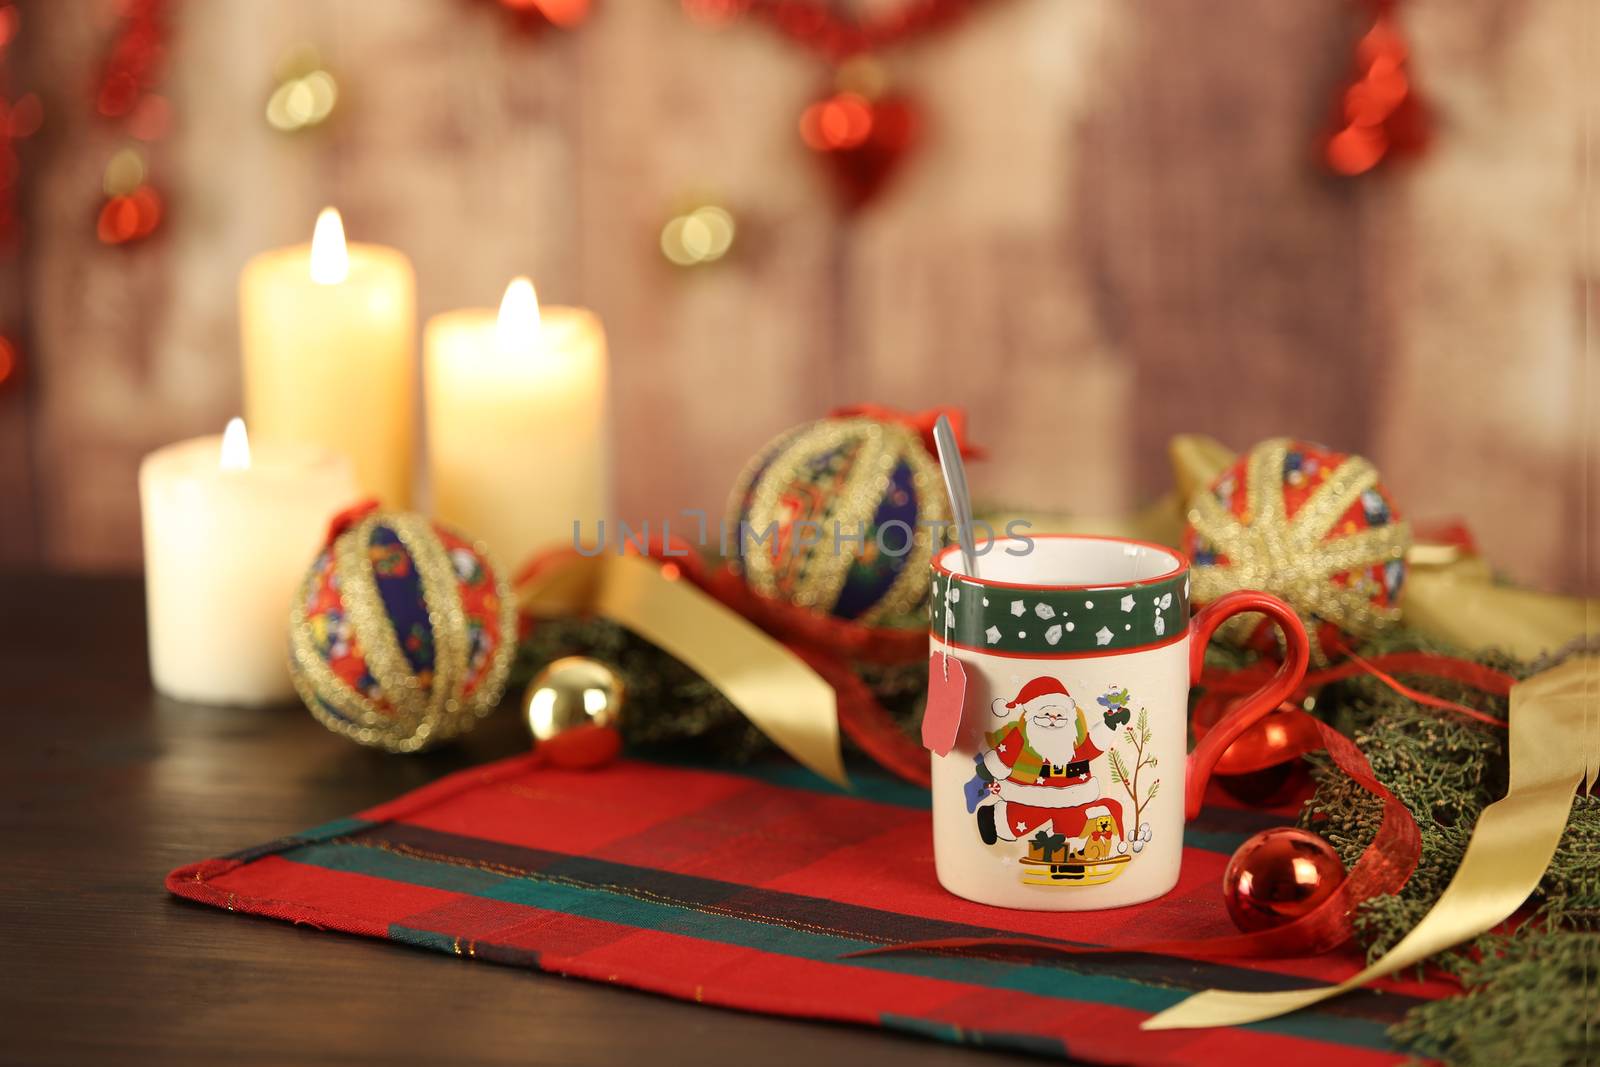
<point x="329" y="337"/>
<point x="516" y="421"/>
<point x="228" y="534"/>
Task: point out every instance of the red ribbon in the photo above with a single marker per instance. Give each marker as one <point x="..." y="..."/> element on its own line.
<point x="920" y="421"/>
<point x="1222" y="686"/>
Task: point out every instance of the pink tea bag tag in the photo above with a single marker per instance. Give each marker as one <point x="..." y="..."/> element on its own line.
<point x="947" y="694"/>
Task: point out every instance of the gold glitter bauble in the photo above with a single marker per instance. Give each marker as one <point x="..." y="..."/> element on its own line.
<point x="1313" y="526"/>
<point x="573" y="709"/>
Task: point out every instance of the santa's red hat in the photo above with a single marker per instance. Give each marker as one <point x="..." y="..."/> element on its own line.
<point x="1039" y="687"/>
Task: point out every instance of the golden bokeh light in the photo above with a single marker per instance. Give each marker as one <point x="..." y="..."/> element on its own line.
<point x="701" y="235"/>
<point x="306" y="93"/>
<point x="124" y="173"/>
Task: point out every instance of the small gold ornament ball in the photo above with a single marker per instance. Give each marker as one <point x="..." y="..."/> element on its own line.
<point x="573" y="708"/>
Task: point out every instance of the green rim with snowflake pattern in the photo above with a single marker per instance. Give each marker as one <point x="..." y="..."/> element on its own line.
<point x="1043" y="621"/>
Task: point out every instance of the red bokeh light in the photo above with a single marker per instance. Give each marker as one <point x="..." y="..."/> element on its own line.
<point x="130" y="218"/>
<point x="1378" y="114"/>
<point x="1373" y="99"/>
<point x="1356" y="149"/>
<point x="151" y="119"/>
<point x="712" y="12"/>
<point x="24" y="117"/>
<point x="1383" y="39"/>
<point x="563" y="13"/>
<point x="8" y="361"/>
<point x="841" y="121"/>
<point x="118" y="93"/>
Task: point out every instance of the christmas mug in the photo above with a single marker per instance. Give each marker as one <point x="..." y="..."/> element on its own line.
<point x="1058" y="718"/>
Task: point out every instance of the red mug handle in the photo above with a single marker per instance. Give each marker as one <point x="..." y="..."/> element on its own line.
<point x="1297" y="655"/>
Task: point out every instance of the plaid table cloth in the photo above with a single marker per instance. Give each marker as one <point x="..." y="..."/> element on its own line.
<point x="748" y="890"/>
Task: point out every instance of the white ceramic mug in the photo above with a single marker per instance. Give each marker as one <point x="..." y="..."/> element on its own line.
<point x="1069" y="780"/>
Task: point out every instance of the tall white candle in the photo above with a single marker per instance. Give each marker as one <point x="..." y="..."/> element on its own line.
<point x="228" y="534"/>
<point x="516" y="422"/>
<point x="329" y="339"/>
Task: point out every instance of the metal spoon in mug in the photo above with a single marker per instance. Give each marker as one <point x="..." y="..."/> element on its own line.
<point x="955" y="482"/>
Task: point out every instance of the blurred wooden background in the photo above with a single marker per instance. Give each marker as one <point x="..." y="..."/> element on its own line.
<point x="1115" y="231"/>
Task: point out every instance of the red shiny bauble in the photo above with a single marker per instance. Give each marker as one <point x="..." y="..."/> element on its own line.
<point x="1281" y="734"/>
<point x="1262" y="766"/>
<point x="1268" y="787"/>
<point x="1279" y="875"/>
<point x="862" y="141"/>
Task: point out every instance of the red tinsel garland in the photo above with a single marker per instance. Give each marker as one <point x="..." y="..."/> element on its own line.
<point x="817" y="27"/>
<point x="1221" y="688"/>
<point x="861" y="131"/>
<point x="19" y="119"/>
<point x="1378" y="114"/>
<point x="125" y="92"/>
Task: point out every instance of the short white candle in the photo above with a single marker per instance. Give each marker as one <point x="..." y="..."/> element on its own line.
<point x="516" y="422"/>
<point x="228" y="534"/>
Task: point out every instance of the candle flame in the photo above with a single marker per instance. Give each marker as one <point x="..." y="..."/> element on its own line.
<point x="517" y="329"/>
<point x="235" y="447"/>
<point x="330" y="260"/>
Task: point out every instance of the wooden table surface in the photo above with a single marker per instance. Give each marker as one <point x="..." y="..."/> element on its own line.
<point x="106" y="786"/>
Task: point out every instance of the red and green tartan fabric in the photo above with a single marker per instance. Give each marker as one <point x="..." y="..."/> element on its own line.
<point x="749" y="890"/>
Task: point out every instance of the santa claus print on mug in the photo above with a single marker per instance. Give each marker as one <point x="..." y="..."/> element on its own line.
<point x="1042" y="776"/>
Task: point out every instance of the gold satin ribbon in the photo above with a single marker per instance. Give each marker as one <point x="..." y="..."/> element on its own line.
<point x="1459" y="604"/>
<point x="1554" y="724"/>
<point x="774" y="688"/>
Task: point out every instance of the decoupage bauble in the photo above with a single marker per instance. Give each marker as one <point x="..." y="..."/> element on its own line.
<point x="833" y="517"/>
<point x="1311" y="525"/>
<point x="402" y="633"/>
<point x="573" y="708"/>
<point x="1279" y="875"/>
